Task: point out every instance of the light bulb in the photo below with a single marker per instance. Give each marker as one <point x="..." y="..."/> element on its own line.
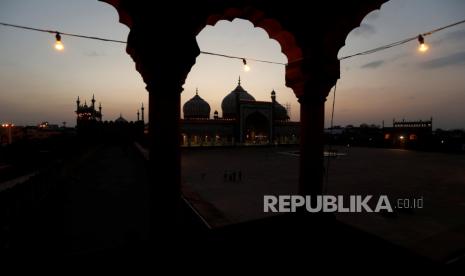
<point x="246" y="67"/>
<point x="58" y="44"/>
<point x="423" y="47"/>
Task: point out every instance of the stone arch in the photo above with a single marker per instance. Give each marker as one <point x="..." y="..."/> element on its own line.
<point x="313" y="70"/>
<point x="273" y="28"/>
<point x="257" y="127"/>
<point x="296" y="43"/>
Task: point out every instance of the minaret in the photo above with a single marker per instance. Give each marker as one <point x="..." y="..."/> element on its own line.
<point x="142" y="112"/>
<point x="78" y="102"/>
<point x="100" y="110"/>
<point x="273" y="104"/>
<point x="237" y="131"/>
<point x="93" y="101"/>
<point x="138" y="115"/>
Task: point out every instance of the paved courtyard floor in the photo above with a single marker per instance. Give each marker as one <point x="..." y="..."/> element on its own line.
<point x="233" y="181"/>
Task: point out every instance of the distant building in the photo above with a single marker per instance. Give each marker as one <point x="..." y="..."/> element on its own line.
<point x="244" y="120"/>
<point x="6" y="136"/>
<point x="87" y="115"/>
<point x="412" y="134"/>
<point x="13" y="133"/>
<point x="46" y="125"/>
<point x="121" y="120"/>
<point x="89" y="123"/>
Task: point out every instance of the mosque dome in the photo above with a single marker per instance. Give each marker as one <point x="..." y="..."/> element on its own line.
<point x="228" y="105"/>
<point x="196" y="108"/>
<point x="120" y="119"/>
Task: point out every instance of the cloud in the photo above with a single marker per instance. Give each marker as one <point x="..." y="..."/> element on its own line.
<point x="455" y="36"/>
<point x="364" y="30"/>
<point x="450" y="60"/>
<point x="399" y="56"/>
<point x="373" y="64"/>
<point x="377" y="63"/>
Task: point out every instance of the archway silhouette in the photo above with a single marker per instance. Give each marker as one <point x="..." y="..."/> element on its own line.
<point x="312" y="70"/>
<point x="274" y="29"/>
<point x="257" y="128"/>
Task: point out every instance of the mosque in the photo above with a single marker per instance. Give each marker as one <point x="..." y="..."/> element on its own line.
<point x="88" y="114"/>
<point x="89" y="123"/>
<point x="244" y="121"/>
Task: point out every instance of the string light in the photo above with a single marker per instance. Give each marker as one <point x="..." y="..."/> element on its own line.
<point x="423" y="47"/>
<point x="246" y="67"/>
<point x="403" y="41"/>
<point x="58" y="44"/>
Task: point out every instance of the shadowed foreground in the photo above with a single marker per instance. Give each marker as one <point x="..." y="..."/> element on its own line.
<point x="102" y="208"/>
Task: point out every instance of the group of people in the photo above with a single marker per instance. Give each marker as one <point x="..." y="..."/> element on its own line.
<point x="232" y="176"/>
<point x="229" y="176"/>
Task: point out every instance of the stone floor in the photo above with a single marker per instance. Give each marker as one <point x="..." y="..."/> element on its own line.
<point x="106" y="200"/>
<point x="437" y="230"/>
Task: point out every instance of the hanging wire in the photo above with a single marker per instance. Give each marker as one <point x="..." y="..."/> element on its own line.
<point x="381" y="48"/>
<point x="442" y="28"/>
<point x="61" y="33"/>
<point x="242" y="58"/>
<point x="325" y="188"/>
<point x="367" y="52"/>
<point x="384" y="47"/>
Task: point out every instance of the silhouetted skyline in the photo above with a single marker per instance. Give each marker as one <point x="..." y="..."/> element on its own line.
<point x="39" y="84"/>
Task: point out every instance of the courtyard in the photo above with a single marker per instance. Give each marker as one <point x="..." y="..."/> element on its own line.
<point x="226" y="185"/>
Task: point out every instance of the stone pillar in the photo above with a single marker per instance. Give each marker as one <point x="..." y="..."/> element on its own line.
<point x="163" y="57"/>
<point x="317" y="77"/>
<point x="311" y="172"/>
<point x="165" y="159"/>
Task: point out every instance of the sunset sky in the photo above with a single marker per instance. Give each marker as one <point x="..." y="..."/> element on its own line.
<point x="39" y="84"/>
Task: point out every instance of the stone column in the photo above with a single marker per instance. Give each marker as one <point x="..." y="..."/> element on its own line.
<point x="311" y="172"/>
<point x="164" y="64"/>
<point x="165" y="158"/>
<point x="315" y="79"/>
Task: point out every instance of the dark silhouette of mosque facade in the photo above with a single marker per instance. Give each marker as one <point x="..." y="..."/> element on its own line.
<point x="89" y="122"/>
<point x="244" y="121"/>
<point x="88" y="114"/>
<point x="411" y="134"/>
